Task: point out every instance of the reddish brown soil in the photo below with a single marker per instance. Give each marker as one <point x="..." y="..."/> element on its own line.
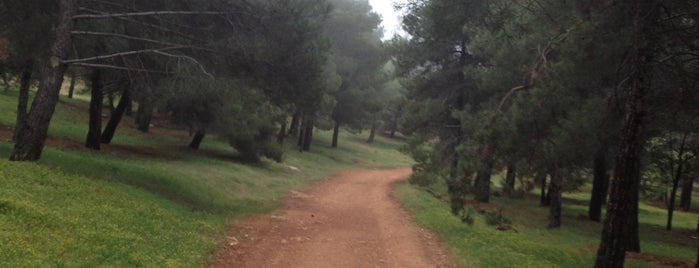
<point x="349" y="221"/>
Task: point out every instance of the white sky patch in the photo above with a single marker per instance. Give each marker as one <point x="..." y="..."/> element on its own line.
<point x="391" y="19"/>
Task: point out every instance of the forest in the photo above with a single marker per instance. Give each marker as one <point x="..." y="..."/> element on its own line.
<point x="559" y="96"/>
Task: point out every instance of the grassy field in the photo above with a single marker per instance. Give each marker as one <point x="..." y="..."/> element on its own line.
<point x="146" y="200"/>
<point x="530" y="244"/>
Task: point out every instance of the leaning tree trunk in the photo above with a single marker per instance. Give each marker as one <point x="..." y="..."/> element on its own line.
<point x="686" y="195"/>
<point x="94" y="132"/>
<point x="32" y="135"/>
<point x="22" y="103"/>
<point x="555" y="197"/>
<point x="115" y="119"/>
<point x="336" y="133"/>
<point x="600" y="185"/>
<point x="615" y="240"/>
<point x="197" y="139"/>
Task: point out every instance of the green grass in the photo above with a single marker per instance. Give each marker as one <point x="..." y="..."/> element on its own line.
<point x="147" y="200"/>
<point x="533" y="245"/>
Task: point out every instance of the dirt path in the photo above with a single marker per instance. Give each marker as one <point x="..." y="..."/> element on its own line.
<point x="348" y="221"/>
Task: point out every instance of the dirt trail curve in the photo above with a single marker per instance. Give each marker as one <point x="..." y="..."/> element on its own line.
<point x="348" y="221"/>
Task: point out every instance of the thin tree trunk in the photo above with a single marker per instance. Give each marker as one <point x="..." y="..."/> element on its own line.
<point x="482" y="184"/>
<point x="94" y="132"/>
<point x="71" y="89"/>
<point x="555" y="194"/>
<point x="110" y="99"/>
<point x="22" y="103"/>
<point x="686" y="195"/>
<point x="198" y="137"/>
<point x="144" y="114"/>
<point x="30" y="141"/>
<point x="543" y="198"/>
<point x="394" y="126"/>
<point x="372" y="132"/>
<point x="129" y="107"/>
<point x="308" y="136"/>
<point x="336" y="133"/>
<point x="600" y="185"/>
<point x="302" y="122"/>
<point x="282" y="134"/>
<point x="510" y="178"/>
<point x="294" y="127"/>
<point x="615" y="240"/>
<point x="115" y="119"/>
<point x="675" y="183"/>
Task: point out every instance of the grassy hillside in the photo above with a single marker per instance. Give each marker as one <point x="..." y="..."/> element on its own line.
<point x="146" y="200"/>
<point x="530" y="244"/>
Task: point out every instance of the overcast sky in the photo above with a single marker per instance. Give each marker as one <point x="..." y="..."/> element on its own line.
<point x="391" y="20"/>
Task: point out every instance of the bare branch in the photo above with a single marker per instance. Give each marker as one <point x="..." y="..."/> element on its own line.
<point x="540" y="66"/>
<point x="150" y="25"/>
<point x="115" y="67"/>
<point x="147" y="13"/>
<point x="129" y="37"/>
<point x="103" y="57"/>
<point x="193" y="60"/>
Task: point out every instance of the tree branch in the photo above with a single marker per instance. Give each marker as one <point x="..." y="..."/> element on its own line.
<point x="120" y="54"/>
<point x="115" y="67"/>
<point x="147" y="13"/>
<point x="193" y="60"/>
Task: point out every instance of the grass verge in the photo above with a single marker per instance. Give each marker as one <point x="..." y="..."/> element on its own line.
<point x="529" y="244"/>
<point x="146" y="200"/>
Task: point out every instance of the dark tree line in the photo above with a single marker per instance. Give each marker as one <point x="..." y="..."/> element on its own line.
<point x="559" y="93"/>
<point x="240" y="70"/>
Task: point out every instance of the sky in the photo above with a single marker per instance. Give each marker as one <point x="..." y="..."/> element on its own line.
<point x="391" y="19"/>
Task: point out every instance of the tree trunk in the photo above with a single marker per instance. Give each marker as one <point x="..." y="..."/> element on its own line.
<point x="32" y="135"/>
<point x="372" y="132"/>
<point x="482" y="184"/>
<point x="129" y="107"/>
<point x="675" y="183"/>
<point x="308" y="136"/>
<point x="294" y="127"/>
<point x="543" y="198"/>
<point x="71" y="89"/>
<point x="615" y="240"/>
<point x="115" y="119"/>
<point x="110" y="100"/>
<point x="686" y="196"/>
<point x="299" y="143"/>
<point x="22" y="103"/>
<point x="394" y="126"/>
<point x="600" y="185"/>
<point x="510" y="178"/>
<point x="144" y="113"/>
<point x="555" y="195"/>
<point x="282" y="134"/>
<point x="336" y="133"/>
<point x="198" y="137"/>
<point x="94" y="133"/>
<point x="633" y="243"/>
